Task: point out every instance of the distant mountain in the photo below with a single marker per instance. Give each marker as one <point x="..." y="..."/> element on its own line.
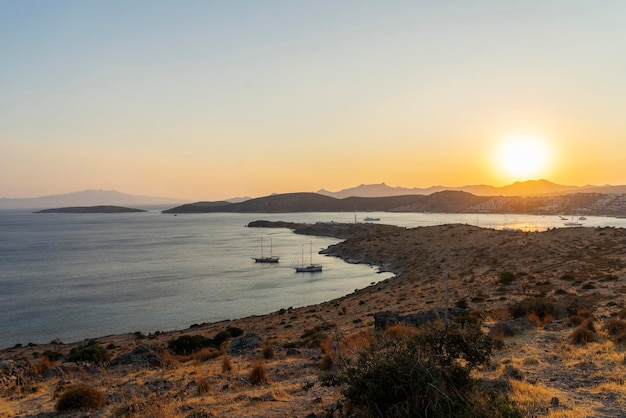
<point x="86" y="198"/>
<point x="526" y="188"/>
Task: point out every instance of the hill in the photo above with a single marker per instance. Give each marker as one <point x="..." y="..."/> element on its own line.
<point x="298" y="202"/>
<point x="441" y="202"/>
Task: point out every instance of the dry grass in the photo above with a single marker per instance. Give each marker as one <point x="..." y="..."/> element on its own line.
<point x="268" y="350"/>
<point x="351" y="345"/>
<point x="227" y="363"/>
<point x="258" y="374"/>
<point x="532" y="399"/>
<point x="41" y="365"/>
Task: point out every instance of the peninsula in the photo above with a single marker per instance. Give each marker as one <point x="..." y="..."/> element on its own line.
<point x="532" y="291"/>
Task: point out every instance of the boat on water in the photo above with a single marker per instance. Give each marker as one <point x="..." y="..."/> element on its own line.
<point x="563" y="218"/>
<point x="370" y="219"/>
<point x="266" y="259"/>
<point x="573" y="222"/>
<point x="582" y="218"/>
<point x="310" y="268"/>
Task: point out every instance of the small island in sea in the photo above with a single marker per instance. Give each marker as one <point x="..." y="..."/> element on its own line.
<point x="91" y="209"/>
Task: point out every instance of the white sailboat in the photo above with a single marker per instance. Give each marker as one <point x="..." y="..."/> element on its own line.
<point x="311" y="268"/>
<point x="263" y="259"/>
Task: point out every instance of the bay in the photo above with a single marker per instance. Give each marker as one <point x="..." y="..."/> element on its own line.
<point x="77" y="276"/>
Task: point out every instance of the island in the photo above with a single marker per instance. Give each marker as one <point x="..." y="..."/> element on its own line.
<point x="91" y="209"/>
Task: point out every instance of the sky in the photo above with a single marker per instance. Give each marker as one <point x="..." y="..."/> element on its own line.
<point x="209" y="100"/>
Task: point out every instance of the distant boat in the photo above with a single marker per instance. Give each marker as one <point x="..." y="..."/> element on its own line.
<point x="370" y="219"/>
<point x="263" y="259"/>
<point x="311" y="268"/>
<point x="563" y="218"/>
<point x="582" y="218"/>
<point x="573" y="222"/>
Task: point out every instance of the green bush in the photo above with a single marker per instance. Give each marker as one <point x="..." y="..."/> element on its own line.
<point x="423" y="374"/>
<point x="228" y="333"/>
<point x="92" y="352"/>
<point x="189" y="344"/>
<point x="82" y="398"/>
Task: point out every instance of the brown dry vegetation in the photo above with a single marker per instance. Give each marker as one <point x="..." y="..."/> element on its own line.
<point x="536" y="364"/>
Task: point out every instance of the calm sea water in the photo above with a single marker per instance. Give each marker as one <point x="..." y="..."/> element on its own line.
<point x="77" y="276"/>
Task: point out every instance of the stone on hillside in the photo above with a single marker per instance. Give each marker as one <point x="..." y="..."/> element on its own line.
<point x="244" y="344"/>
<point x="384" y="320"/>
<point x="143" y="356"/>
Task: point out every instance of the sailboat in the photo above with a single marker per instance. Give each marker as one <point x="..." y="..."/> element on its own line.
<point x="311" y="268"/>
<point x="263" y="259"/>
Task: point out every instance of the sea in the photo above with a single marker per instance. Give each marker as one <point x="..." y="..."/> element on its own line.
<point x="77" y="276"/>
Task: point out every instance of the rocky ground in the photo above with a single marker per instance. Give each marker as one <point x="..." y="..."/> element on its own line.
<point x="453" y="265"/>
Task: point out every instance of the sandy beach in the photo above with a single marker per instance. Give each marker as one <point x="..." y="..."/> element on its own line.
<point x="435" y="267"/>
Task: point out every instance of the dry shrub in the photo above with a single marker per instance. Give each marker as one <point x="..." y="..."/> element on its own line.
<point x="497" y="334"/>
<point x="584" y="312"/>
<point x="205" y="354"/>
<point x="582" y="336"/>
<point x="399" y="330"/>
<point x="326" y="346"/>
<point x="203" y="386"/>
<point x="355" y="343"/>
<point x="227" y="363"/>
<point x="327" y="362"/>
<point x="82" y="398"/>
<point x="622" y="314"/>
<point x="589" y="324"/>
<point x="540" y="321"/>
<point x="268" y="350"/>
<point x="575" y="320"/>
<point x="160" y="409"/>
<point x="258" y="374"/>
<point x="616" y="327"/>
<point x="42" y="364"/>
<point x="168" y="361"/>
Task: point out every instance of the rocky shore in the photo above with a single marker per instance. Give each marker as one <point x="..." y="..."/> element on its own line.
<point x="436" y="267"/>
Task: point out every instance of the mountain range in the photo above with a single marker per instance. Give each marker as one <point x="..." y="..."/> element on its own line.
<point x="87" y="198"/>
<point x="364" y="197"/>
<point x="526" y="188"/>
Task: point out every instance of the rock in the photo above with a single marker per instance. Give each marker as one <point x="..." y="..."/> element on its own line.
<point x="383" y="320"/>
<point x="495" y="385"/>
<point x="512" y="372"/>
<point x="70" y="366"/>
<point x="6" y="366"/>
<point x="53" y="372"/>
<point x="293" y="352"/>
<point x="512" y="327"/>
<point x="244" y="344"/>
<point x="143" y="356"/>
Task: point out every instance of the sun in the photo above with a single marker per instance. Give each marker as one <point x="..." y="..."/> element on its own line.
<point x="523" y="156"/>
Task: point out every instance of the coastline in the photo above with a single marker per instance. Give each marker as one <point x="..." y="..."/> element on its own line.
<point x="469" y="257"/>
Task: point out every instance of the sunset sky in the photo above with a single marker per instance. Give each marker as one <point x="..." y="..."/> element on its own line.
<point x="206" y="100"/>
